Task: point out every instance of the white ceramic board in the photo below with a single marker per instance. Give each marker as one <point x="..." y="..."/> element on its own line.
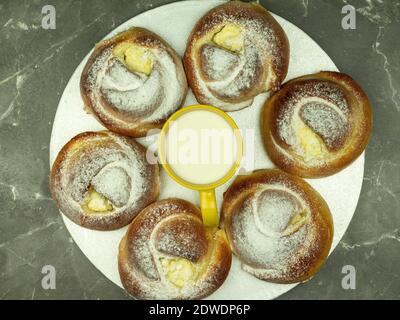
<point x="174" y="22"/>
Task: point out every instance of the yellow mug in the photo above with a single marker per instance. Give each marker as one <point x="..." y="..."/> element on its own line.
<point x="208" y="204"/>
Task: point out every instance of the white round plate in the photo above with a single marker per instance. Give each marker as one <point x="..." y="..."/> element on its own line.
<point x="174" y="22"/>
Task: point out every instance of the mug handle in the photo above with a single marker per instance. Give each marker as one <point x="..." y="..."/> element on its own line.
<point x="208" y="206"/>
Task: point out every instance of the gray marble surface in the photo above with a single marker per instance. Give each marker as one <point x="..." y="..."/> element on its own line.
<point x="35" y="65"/>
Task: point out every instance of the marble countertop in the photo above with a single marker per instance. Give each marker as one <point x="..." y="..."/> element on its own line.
<point x="35" y="65"/>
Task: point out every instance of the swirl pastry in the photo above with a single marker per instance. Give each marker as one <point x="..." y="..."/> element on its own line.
<point x="235" y="52"/>
<point x="278" y="226"/>
<point x="167" y="253"/>
<point x="133" y="82"/>
<point x="101" y="180"/>
<point x="316" y="124"/>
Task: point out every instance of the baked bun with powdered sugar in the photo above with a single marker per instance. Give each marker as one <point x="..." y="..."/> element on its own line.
<point x="133" y="82"/>
<point x="317" y="124"/>
<point x="235" y="52"/>
<point x="167" y="253"/>
<point x="278" y="226"/>
<point x="102" y="180"/>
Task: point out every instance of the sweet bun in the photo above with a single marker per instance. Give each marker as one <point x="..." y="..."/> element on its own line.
<point x="278" y="226"/>
<point x="235" y="52"/>
<point x="101" y="180"/>
<point x="317" y="124"/>
<point x="133" y="82"/>
<point x="167" y="253"/>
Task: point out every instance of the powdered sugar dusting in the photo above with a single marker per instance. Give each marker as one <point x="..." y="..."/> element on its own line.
<point x="118" y="78"/>
<point x="259" y="231"/>
<point x="114" y="182"/>
<point x="252" y="68"/>
<point x="140" y="98"/>
<point x="241" y="79"/>
<point x="109" y="165"/>
<point x="319" y="105"/>
<point x="219" y="63"/>
<point x="142" y="101"/>
<point x="148" y="250"/>
<point x="326" y="121"/>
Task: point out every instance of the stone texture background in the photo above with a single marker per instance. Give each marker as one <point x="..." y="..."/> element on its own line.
<point x="35" y="66"/>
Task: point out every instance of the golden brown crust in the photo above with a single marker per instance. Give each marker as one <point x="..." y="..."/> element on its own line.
<point x="172" y="229"/>
<point x="262" y="32"/>
<point x="111" y="116"/>
<point x="277" y="255"/>
<point x="88" y="155"/>
<point x="337" y="89"/>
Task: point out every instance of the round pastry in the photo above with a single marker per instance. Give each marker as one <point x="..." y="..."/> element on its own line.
<point x="235" y="52"/>
<point x="133" y="82"/>
<point x="101" y="180"/>
<point x="279" y="227"/>
<point x="316" y="124"/>
<point x="167" y="253"/>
